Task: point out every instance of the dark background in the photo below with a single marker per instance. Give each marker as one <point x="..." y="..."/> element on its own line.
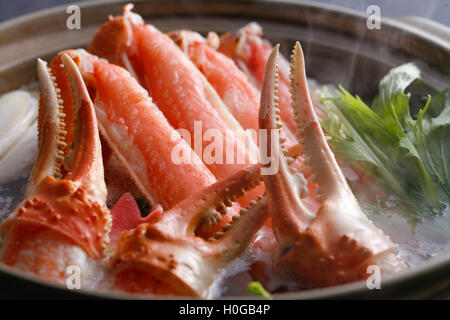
<point x="437" y="10"/>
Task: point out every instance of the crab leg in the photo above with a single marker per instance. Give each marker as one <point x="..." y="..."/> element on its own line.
<point x="165" y="257"/>
<point x="337" y="243"/>
<point x="180" y="90"/>
<point x="63" y="219"/>
<point x="232" y="84"/>
<point x="140" y="135"/>
<point x="250" y="53"/>
<point x="185" y="97"/>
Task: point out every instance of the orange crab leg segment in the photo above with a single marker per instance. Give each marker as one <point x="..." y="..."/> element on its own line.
<point x="250" y="52"/>
<point x="181" y="92"/>
<point x="232" y="84"/>
<point x="185" y="97"/>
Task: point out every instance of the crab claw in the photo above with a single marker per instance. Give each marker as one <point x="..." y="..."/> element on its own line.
<point x="63" y="219"/>
<point x="336" y="243"/>
<point x="166" y="257"/>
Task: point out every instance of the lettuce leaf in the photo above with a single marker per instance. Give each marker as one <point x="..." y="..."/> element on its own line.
<point x="432" y="136"/>
<point x="408" y="155"/>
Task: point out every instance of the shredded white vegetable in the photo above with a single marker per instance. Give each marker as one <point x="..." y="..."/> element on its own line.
<point x="18" y="133"/>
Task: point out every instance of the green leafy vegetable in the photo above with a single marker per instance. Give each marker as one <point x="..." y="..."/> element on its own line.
<point x="256" y="288"/>
<point x="409" y="156"/>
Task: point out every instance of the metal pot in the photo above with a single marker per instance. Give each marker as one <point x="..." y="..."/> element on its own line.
<point x="339" y="48"/>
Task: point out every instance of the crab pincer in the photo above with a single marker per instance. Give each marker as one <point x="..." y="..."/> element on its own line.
<point x="336" y="243"/>
<point x="63" y="219"/>
<point x="165" y="257"/>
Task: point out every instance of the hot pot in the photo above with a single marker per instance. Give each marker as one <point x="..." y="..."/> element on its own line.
<point x="339" y="49"/>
